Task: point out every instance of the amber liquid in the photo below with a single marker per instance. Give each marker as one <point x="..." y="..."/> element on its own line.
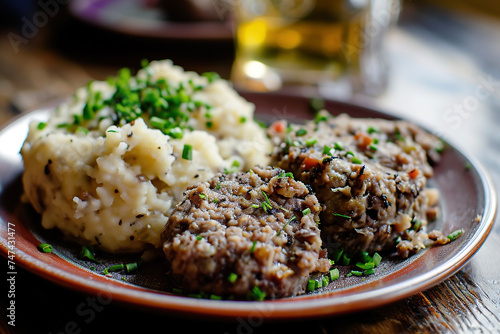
<point x="288" y="47"/>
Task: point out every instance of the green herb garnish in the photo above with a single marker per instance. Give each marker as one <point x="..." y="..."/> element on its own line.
<point x="310" y="142"/>
<point x="45" y="248"/>
<point x="116" y="267"/>
<point x="288" y="222"/>
<point x="232" y="277"/>
<point x="341" y="215"/>
<point x="187" y="152"/>
<point x="257" y="294"/>
<point x="334" y="274"/>
<point x="132" y="267"/>
<point x="88" y="253"/>
<point x="301" y="132"/>
<point x="455" y="234"/>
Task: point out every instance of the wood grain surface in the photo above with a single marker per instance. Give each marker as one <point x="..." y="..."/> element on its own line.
<point x="438" y="59"/>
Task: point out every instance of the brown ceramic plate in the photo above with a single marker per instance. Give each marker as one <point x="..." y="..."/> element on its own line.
<point x="137" y="18"/>
<point x="467" y="193"/>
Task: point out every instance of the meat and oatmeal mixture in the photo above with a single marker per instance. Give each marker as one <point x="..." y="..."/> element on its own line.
<point x="175" y="161"/>
<point x="370" y="175"/>
<point x="242" y="230"/>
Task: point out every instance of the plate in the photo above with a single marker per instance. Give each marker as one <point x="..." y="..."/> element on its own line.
<point x="135" y="18"/>
<point x="468" y="200"/>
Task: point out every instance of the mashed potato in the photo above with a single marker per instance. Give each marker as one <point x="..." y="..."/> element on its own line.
<point x="111" y="163"/>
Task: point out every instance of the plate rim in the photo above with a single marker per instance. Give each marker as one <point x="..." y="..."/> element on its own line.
<point x="304" y="307"/>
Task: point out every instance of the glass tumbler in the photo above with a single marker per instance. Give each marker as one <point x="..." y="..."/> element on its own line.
<point x="336" y="46"/>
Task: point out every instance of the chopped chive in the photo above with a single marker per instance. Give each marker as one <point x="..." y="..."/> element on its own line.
<point x="325" y="281"/>
<point x="282" y="208"/>
<point x="338" y="146"/>
<point x="397" y="240"/>
<point x="365" y="257"/>
<point x="215" y="297"/>
<point x="327" y="150"/>
<point x="82" y="130"/>
<point x="62" y="125"/>
<point x="257" y="294"/>
<point x="267" y="201"/>
<point x="199" y="237"/>
<point x="455" y="234"/>
<point x="209" y="124"/>
<point x="310" y="142"/>
<point x="356" y="160"/>
<point x="252" y="249"/>
<point x="176" y="133"/>
<point x="399" y="137"/>
<point x="202" y="196"/>
<point x="132" y="267"/>
<point x="320" y="118"/>
<point x="356" y="273"/>
<point x="306" y="211"/>
<point x="346" y="260"/>
<point x="87" y="253"/>
<point x="112" y="131"/>
<point x="211" y="76"/>
<point x="232" y="277"/>
<point x="288" y="174"/>
<point x="116" y="267"/>
<point x="255" y="206"/>
<point x="288" y="222"/>
<point x="157" y="122"/>
<point x="41" y="125"/>
<point x="105" y="271"/>
<point x="368" y="271"/>
<point x="371" y="130"/>
<point x="243" y="119"/>
<point x="368" y="265"/>
<point x="301" y="132"/>
<point x="266" y="206"/>
<point x="416" y="225"/>
<point x="341" y="215"/>
<point x="217" y="187"/>
<point x="334" y="274"/>
<point x="92" y="268"/>
<point x="187" y="152"/>
<point x="373" y="147"/>
<point x="45" y="248"/>
<point x="376" y="259"/>
<point x="349" y="153"/>
<point x="337" y="254"/>
<point x="311" y="285"/>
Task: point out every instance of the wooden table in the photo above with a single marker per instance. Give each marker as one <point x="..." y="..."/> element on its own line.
<point x="438" y="59"/>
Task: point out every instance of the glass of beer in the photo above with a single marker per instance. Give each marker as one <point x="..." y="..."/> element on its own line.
<point x="333" y="45"/>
